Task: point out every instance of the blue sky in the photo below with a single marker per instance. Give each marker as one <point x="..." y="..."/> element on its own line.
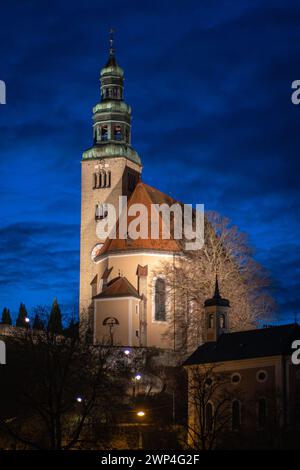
<point x="209" y="83"/>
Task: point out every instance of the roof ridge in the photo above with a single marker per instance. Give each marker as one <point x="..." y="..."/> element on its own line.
<point x="159" y="191"/>
<point x="262" y="329"/>
<point x="118" y="283"/>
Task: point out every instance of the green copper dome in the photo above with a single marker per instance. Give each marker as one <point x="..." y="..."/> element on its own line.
<point x="111" y="150"/>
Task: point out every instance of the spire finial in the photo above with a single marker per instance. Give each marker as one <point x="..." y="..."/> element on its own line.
<point x="217" y="299"/>
<point x="217" y="291"/>
<point x="111" y="42"/>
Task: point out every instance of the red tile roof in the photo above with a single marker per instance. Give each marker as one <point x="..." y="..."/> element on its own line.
<point x="118" y="287"/>
<point x="146" y="195"/>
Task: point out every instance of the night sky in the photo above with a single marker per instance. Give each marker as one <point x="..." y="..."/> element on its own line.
<point x="213" y="122"/>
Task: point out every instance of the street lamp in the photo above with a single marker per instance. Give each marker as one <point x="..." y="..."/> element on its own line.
<point x="79" y="399"/>
<point x="136" y="380"/>
<point x="126" y="352"/>
<point x="140" y="414"/>
<point x="27" y="320"/>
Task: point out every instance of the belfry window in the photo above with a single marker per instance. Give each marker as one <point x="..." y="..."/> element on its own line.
<point x="118" y="133"/>
<point x="102" y="179"/>
<point x="160" y="299"/>
<point x="116" y="93"/>
<point x="104" y="133"/>
<point x="210" y="321"/>
<point x="95" y="180"/>
<point x="222" y="321"/>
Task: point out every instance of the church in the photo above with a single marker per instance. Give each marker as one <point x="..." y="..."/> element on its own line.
<point x="122" y="293"/>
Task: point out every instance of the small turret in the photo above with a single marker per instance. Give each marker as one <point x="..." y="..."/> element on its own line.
<point x="216" y="315"/>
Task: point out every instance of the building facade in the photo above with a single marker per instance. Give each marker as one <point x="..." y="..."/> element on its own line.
<point x="242" y="384"/>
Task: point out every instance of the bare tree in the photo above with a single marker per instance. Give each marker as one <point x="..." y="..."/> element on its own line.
<point x="210" y="407"/>
<point x="191" y="278"/>
<point x="55" y="387"/>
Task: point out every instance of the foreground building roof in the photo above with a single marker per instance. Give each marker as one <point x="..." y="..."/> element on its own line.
<point x="271" y="341"/>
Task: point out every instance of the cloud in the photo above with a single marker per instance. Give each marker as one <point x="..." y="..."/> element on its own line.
<point x="38" y="261"/>
<point x="209" y="84"/>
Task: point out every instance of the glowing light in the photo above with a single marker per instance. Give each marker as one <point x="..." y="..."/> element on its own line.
<point x="79" y="399"/>
<point x="127" y="352"/>
<point x="138" y="377"/>
<point x="141" y="413"/>
<point x="27" y="320"/>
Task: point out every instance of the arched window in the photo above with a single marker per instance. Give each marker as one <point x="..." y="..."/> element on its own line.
<point x="222" y="321"/>
<point x="210" y="320"/>
<point x="262" y="412"/>
<point x="101" y="211"/>
<point x="160" y="299"/>
<point x="95" y="180"/>
<point x="208" y="417"/>
<point x="118" y="133"/>
<point x="102" y="176"/>
<point x="104" y="133"/>
<point x="236" y="415"/>
<point x="102" y="179"/>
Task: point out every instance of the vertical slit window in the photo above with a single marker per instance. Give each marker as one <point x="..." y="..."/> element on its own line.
<point x="236" y="415"/>
<point x="160" y="299"/>
<point x="262" y="413"/>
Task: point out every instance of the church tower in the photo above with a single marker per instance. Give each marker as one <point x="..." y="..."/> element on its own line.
<point x="110" y="168"/>
<point x="216" y="316"/>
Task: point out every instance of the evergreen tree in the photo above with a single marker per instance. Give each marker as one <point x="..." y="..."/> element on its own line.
<point x="22" y="316"/>
<point x="55" y="319"/>
<point x="6" y="318"/>
<point x="38" y="323"/>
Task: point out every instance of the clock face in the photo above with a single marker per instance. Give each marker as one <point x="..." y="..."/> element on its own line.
<point x="95" y="250"/>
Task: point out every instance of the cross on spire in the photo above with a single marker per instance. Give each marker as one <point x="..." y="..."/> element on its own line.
<point x="111" y="42"/>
